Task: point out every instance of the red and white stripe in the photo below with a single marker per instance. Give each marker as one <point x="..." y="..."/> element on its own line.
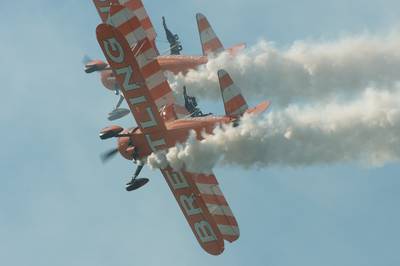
<point x="234" y="103"/>
<point x="153" y="75"/>
<point x="103" y="7"/>
<point x="134" y="6"/>
<point x="217" y="206"/>
<point x="129" y="25"/>
<point x="138" y="8"/>
<point x="210" y="43"/>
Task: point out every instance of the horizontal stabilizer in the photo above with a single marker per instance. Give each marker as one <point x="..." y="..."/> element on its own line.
<point x="263" y="106"/>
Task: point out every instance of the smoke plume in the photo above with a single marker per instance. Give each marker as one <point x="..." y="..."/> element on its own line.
<point x="365" y="130"/>
<point x="305" y="71"/>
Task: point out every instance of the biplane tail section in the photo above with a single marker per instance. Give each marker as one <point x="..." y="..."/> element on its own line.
<point x="210" y="42"/>
<point x="234" y="102"/>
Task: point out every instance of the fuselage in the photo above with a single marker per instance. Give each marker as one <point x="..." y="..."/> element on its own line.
<point x="108" y="79"/>
<point x="178" y="131"/>
<point x="172" y="63"/>
<point x="180" y="63"/>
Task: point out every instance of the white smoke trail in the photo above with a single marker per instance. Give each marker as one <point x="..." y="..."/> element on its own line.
<point x="365" y="130"/>
<point x="305" y="71"/>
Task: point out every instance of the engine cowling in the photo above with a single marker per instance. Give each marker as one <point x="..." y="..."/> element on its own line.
<point x="126" y="148"/>
<point x="110" y="132"/>
<point x="108" y="79"/>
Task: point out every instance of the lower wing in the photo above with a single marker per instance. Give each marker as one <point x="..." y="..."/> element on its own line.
<point x="204" y="207"/>
<point x="217" y="205"/>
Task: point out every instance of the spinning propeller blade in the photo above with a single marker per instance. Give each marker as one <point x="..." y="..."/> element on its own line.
<point x="106" y="156"/>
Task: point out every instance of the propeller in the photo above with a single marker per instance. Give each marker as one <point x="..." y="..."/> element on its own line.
<point x="113" y="132"/>
<point x="108" y="155"/>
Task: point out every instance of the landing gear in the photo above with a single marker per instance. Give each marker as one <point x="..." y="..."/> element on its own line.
<point x="136" y="183"/>
<point x="118" y="112"/>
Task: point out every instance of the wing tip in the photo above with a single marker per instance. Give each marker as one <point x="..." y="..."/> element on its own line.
<point x="200" y="16"/>
<point x="221" y="73"/>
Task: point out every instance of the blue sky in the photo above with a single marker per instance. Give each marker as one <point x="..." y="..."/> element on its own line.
<point x="60" y="206"/>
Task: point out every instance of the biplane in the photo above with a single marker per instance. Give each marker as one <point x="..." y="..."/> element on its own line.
<point x="175" y="62"/>
<point x="132" y="57"/>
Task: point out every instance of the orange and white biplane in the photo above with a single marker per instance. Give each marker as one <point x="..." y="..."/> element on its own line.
<point x="132" y="57"/>
<point x="175" y="63"/>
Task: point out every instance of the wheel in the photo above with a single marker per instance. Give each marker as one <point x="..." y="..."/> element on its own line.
<point x="118" y="113"/>
<point x="138" y="183"/>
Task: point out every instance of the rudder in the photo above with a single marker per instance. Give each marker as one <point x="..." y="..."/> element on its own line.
<point x="210" y="43"/>
<point x="234" y="102"/>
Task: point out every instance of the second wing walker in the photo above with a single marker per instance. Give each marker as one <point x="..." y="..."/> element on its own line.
<point x="132" y="58"/>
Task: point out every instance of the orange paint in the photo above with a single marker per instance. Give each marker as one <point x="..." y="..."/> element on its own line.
<point x="108" y="79"/>
<point x="138" y="73"/>
<point x="180" y="63"/>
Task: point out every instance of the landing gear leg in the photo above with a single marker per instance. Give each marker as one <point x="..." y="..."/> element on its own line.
<point x="121" y="99"/>
<point x="136" y="183"/>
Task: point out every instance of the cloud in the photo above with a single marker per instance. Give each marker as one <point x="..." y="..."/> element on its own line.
<point x="307" y="70"/>
<point x="365" y="130"/>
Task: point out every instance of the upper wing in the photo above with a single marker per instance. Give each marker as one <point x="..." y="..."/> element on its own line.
<point x="134" y="87"/>
<point x="103" y="7"/>
<point x="134" y="8"/>
<point x="129" y="25"/>
<point x="138" y="8"/>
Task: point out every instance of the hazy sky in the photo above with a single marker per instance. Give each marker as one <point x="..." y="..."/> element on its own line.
<point x="60" y="206"/>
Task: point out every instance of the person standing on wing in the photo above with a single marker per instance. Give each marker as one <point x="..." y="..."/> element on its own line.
<point x="191" y="105"/>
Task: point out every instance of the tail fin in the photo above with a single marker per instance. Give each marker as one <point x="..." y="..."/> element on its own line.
<point x="210" y="43"/>
<point x="234" y="103"/>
